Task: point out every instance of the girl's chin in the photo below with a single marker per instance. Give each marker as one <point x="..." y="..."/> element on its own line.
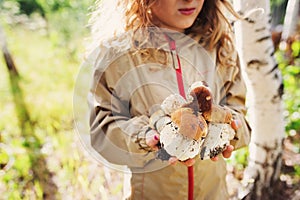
<point x="186" y="25"/>
<point x="180" y="27"/>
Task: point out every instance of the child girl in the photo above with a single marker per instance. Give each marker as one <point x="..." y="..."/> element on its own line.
<point x="165" y="46"/>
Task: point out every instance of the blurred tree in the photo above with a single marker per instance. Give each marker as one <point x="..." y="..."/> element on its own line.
<point x="278" y="8"/>
<point x="7" y="56"/>
<point x="265" y="88"/>
<point x="291" y="19"/>
<point x="38" y="165"/>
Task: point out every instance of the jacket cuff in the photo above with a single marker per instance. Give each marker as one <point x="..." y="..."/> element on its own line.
<point x="242" y="134"/>
<point x="141" y="139"/>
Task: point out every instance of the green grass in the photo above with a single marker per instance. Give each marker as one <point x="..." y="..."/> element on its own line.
<point x="47" y="79"/>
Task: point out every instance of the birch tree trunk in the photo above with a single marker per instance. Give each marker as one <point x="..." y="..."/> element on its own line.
<point x="291" y="19"/>
<point x="265" y="88"/>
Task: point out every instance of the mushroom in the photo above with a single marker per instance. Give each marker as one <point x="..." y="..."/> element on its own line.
<point x="194" y="127"/>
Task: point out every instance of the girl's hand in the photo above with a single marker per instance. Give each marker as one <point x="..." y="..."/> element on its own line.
<point x="235" y="124"/>
<point x="188" y="162"/>
<point x="152" y="139"/>
<point x="226" y="153"/>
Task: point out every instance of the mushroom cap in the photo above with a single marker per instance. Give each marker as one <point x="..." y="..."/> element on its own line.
<point x="189" y="124"/>
<point x="200" y="96"/>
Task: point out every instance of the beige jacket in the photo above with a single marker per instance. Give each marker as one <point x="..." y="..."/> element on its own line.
<point x="129" y="85"/>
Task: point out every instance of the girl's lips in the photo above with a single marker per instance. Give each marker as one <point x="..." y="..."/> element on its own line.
<point x="187" y="11"/>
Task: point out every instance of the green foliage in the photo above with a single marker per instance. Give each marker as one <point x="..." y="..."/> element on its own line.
<point x="289" y="63"/>
<point x="30" y="6"/>
<point x="239" y="160"/>
<point x="65" y="20"/>
<point x="297" y="171"/>
<point x="47" y="81"/>
<point x="47" y="7"/>
<point x="4" y="158"/>
<point x="277" y="2"/>
<point x="67" y="24"/>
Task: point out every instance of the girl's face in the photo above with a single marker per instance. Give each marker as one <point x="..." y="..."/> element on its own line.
<point x="176" y="15"/>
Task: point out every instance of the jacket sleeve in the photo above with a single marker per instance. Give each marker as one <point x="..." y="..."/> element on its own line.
<point x="115" y="134"/>
<point x="234" y="98"/>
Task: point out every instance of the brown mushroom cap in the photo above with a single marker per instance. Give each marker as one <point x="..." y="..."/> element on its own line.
<point x="200" y="98"/>
<point x="218" y="114"/>
<point x="189" y="124"/>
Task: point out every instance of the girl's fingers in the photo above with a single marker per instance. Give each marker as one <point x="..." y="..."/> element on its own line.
<point x="236" y="124"/>
<point x="156" y="137"/>
<point x="215" y="158"/>
<point x="152" y="139"/>
<point x="173" y="161"/>
<point x="228" y="151"/>
<point x="189" y="162"/>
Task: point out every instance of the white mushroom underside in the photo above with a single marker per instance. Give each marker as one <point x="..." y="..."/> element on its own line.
<point x="178" y="145"/>
<point x="219" y="136"/>
<point x="172" y="102"/>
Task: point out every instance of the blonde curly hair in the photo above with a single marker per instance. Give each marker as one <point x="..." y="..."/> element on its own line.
<point x="212" y="27"/>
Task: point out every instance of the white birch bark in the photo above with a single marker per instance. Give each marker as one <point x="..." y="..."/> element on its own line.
<point x="291" y="19"/>
<point x="263" y="79"/>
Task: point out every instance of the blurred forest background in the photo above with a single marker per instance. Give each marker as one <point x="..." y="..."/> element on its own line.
<point x="41" y="156"/>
